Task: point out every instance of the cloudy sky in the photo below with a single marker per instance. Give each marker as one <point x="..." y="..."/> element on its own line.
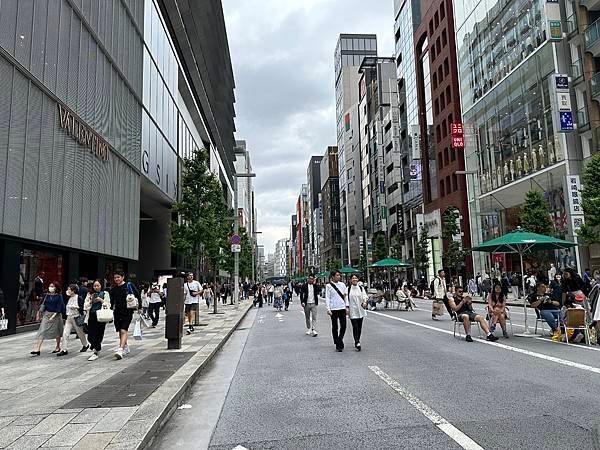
<point x="282" y="54"/>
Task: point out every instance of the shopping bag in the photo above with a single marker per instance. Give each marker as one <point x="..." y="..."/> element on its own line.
<point x="3" y="323"/>
<point x="137" y="330"/>
<point x="438" y="308"/>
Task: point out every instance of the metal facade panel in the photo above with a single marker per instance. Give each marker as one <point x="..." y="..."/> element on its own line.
<point x="23" y="32"/>
<point x="38" y="41"/>
<point x="64" y="39"/>
<point x="83" y="107"/>
<point x="6" y="74"/>
<point x="31" y="166"/>
<point x="52" y="43"/>
<point x="48" y="131"/>
<point x="8" y="25"/>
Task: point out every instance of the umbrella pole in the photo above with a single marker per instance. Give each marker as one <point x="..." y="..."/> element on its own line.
<point x="526" y="333"/>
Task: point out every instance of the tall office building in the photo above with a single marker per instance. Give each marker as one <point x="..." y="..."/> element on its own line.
<point x="349" y="53"/>
<point x="246" y="211"/>
<point x="280" y="267"/>
<point x="93" y="126"/>
<point x="314" y="214"/>
<point x="330" y="206"/>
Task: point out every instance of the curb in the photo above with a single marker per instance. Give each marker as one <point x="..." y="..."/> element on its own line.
<point x="184" y="389"/>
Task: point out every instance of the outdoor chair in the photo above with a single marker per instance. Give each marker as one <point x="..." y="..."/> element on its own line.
<point x="575" y="320"/>
<point x="538" y="320"/>
<point x="458" y="324"/>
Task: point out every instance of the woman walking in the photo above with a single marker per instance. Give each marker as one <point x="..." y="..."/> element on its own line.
<point x="357" y="300"/>
<point x="337" y="308"/>
<point x="73" y="322"/>
<point x="95" y="300"/>
<point x="52" y="308"/>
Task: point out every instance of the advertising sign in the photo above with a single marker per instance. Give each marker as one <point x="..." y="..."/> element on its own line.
<point x="236" y="248"/>
<point x="457" y="133"/>
<point x="566" y="121"/>
<point x="415" y="171"/>
<point x="555" y="30"/>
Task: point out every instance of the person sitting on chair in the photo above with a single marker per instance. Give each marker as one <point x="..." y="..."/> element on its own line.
<point x="548" y="308"/>
<point x="462" y="306"/>
<point x="497" y="309"/>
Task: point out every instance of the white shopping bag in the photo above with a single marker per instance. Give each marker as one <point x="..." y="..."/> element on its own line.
<point x="137" y="331"/>
<point x="3" y="323"/>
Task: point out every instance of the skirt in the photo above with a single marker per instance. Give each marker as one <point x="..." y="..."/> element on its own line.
<point x="51" y="330"/>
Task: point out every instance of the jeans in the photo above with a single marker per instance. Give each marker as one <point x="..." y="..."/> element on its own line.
<point x="154" y="312"/>
<point x="356" y="329"/>
<point x="551" y="317"/>
<point x="310" y="314"/>
<point x="338" y="315"/>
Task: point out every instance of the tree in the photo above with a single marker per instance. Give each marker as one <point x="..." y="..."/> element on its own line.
<point x="535" y="216"/>
<point x="422" y="250"/>
<point x="245" y="255"/>
<point x="380" y="249"/>
<point x="590" y="199"/>
<point x="333" y="263"/>
<point x="454" y="253"/>
<point x="204" y="223"/>
<point x="396" y="247"/>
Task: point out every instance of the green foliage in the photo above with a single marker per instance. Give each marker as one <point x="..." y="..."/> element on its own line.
<point x="380" y="248"/>
<point x="204" y="222"/>
<point x="450" y="226"/>
<point x="333" y="263"/>
<point x="454" y="253"/>
<point x="396" y="247"/>
<point x="245" y="255"/>
<point x="422" y="251"/>
<point x="535" y="215"/>
<point x="590" y="199"/>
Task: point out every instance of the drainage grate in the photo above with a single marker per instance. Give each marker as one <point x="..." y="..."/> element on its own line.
<point x="134" y="384"/>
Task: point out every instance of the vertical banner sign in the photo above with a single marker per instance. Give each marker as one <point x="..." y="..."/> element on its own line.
<point x="560" y="98"/>
<point x="400" y="223"/>
<point x="575" y="209"/>
<point x="458" y="135"/>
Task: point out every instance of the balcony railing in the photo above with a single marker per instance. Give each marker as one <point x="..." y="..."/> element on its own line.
<point x="595" y="84"/>
<point x="576" y="69"/>
<point x="592" y="34"/>
<point x="582" y="118"/>
<point x="571" y="23"/>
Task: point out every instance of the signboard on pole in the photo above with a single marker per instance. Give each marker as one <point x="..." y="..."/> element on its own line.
<point x="235" y="239"/>
<point x="236" y="248"/>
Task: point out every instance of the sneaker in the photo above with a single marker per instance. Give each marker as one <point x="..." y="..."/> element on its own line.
<point x="493" y="328"/>
<point x="579" y="338"/>
<point x="119" y="354"/>
<point x="490" y="337"/>
<point x="126" y="350"/>
<point x="84" y="349"/>
<point x="309" y="331"/>
<point x="358" y="347"/>
<point x="556" y="336"/>
<point x="62" y="353"/>
<point x="468" y="338"/>
<point x="188" y="331"/>
<point x="314" y="333"/>
<point x="94" y="357"/>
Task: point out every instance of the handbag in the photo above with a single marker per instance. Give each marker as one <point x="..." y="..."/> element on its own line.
<point x="80" y="320"/>
<point x="132" y="301"/>
<point x="104" y="315"/>
<point x="3" y="323"/>
<point x="137" y="330"/>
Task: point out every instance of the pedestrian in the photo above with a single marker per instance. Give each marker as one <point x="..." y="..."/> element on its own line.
<point x="531" y="284"/>
<point x="439" y="290"/>
<point x="223" y="294"/>
<point x="472" y="285"/>
<point x="207" y="293"/>
<point x="145" y="294"/>
<point x="123" y="307"/>
<point x="337" y="308"/>
<point x="96" y="299"/>
<point x="357" y="300"/>
<point x="192" y="290"/>
<point x="551" y="273"/>
<point x="287" y="295"/>
<point x="154" y="301"/>
<point x="270" y="292"/>
<point x="51" y="308"/>
<point x="74" y="321"/>
<point x="309" y="300"/>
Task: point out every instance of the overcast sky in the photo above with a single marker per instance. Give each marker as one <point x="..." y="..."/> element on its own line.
<point x="282" y="55"/>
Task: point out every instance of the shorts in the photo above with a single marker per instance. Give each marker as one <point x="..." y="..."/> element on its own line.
<point x="191" y="307"/>
<point x="122" y="319"/>
<point x="470" y="314"/>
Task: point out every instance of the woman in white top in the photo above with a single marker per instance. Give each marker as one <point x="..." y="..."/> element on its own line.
<point x="208" y="295"/>
<point x="357" y="299"/>
<point x="72" y="322"/>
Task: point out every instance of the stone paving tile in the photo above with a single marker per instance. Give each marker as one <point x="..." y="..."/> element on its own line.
<point x="70" y="434"/>
<point x="133" y="430"/>
<point x="115" y="419"/>
<point x="11" y="433"/>
<point x="94" y="441"/>
<point x="6" y="420"/>
<point x="27" y="442"/>
<point x="30" y="420"/>
<point x="52" y="424"/>
<point x="124" y="445"/>
<point x="90" y="415"/>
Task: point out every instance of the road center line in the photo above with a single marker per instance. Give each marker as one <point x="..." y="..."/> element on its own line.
<point x="554" y="359"/>
<point x="454" y="433"/>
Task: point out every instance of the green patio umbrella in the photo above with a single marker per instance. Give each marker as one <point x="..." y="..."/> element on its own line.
<point x="389" y="263"/>
<point x="349" y="269"/>
<point x="521" y="241"/>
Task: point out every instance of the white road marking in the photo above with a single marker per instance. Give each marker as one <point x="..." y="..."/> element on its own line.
<point x="454" y="433"/>
<point x="554" y="359"/>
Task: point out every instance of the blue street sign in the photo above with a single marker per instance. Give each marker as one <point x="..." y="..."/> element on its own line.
<point x="566" y="121"/>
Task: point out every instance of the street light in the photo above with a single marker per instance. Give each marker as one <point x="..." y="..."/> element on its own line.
<point x="254" y="233"/>
<point x="236" y="229"/>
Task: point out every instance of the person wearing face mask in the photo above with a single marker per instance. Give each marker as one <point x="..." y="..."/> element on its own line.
<point x="72" y="322"/>
<point x="96" y="299"/>
<point x="52" y="308"/>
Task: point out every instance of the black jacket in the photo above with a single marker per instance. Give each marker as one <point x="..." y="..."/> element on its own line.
<point x="304" y="292"/>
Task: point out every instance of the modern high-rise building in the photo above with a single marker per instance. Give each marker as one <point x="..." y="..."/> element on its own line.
<point x="530" y="116"/>
<point x="280" y="265"/>
<point x="99" y="103"/>
<point x="349" y="53"/>
<point x="314" y="214"/>
<point x="330" y="205"/>
<point x="246" y="208"/>
<point x="409" y="215"/>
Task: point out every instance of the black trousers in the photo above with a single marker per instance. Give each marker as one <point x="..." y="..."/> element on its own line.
<point x="287" y="303"/>
<point x="95" y="332"/>
<point x="356" y="329"/>
<point x="154" y="312"/>
<point x="338" y="315"/>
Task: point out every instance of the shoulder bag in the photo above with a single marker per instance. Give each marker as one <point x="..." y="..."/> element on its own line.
<point x="132" y="301"/>
<point x="104" y="315"/>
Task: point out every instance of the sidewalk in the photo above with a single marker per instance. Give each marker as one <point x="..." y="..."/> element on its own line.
<point x="71" y="403"/>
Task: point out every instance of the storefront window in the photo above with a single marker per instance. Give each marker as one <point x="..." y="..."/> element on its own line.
<point x="37" y="270"/>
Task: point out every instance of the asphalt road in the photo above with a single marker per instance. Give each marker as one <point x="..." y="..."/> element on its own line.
<point x="413" y="386"/>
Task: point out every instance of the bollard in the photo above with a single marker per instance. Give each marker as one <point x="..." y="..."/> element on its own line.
<point x="174" y="313"/>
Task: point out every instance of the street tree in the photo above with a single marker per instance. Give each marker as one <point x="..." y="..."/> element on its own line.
<point x="204" y="223"/>
<point x="535" y="215"/>
<point x="245" y="255"/>
<point x="333" y="263"/>
<point x="422" y="251"/>
<point x="396" y="247"/>
<point x="590" y="199"/>
<point x="454" y="254"/>
<point x="380" y="248"/>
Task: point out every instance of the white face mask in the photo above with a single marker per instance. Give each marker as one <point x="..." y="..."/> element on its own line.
<point x="51" y="289"/>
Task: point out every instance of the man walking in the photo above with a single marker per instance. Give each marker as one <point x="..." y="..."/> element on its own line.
<point x="309" y="299"/>
<point x="439" y="293"/>
<point x="122" y="314"/>
<point x="338" y="308"/>
<point x="192" y="290"/>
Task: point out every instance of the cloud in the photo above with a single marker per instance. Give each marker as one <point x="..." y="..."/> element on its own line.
<point x="282" y="55"/>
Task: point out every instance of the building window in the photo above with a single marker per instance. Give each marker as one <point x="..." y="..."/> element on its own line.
<point x="444" y="128"/>
<point x="436" y="107"/>
<point x="448" y="184"/>
<point x="446" y="156"/>
<point x="436" y="19"/>
<point x="431" y="27"/>
<point x="453" y="155"/>
<point x="442" y="11"/>
<point x="444" y="38"/>
<point x="454" y="182"/>
<point x="442" y="100"/>
<point x="446" y="67"/>
<point x="440" y="75"/>
<point x="435" y="79"/>
<point x="438" y="45"/>
<point x="448" y="95"/>
<point x="439" y="157"/>
<point x="442" y="189"/>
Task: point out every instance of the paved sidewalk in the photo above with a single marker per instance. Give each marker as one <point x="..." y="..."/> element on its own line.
<point x="35" y="391"/>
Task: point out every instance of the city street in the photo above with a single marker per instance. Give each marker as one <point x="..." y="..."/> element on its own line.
<point x="412" y="386"/>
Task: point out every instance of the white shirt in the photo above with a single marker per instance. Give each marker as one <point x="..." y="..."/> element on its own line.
<point x="155" y="297"/>
<point x="73" y="306"/>
<point x="310" y="298"/>
<point x="193" y="286"/>
<point x="356" y="297"/>
<point x="439" y="287"/>
<point x="332" y="298"/>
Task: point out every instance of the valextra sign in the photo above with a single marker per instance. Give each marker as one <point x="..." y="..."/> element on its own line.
<point x="82" y="133"/>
